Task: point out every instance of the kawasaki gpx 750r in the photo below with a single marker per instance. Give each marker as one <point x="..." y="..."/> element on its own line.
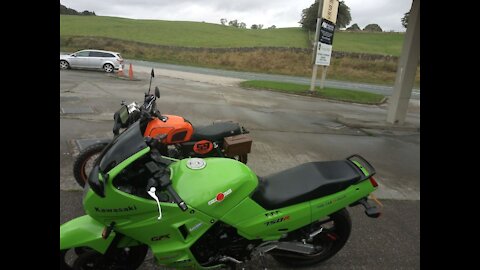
<point x="210" y="213"/>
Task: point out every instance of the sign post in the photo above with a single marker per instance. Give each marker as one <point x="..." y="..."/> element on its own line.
<point x="327" y="17"/>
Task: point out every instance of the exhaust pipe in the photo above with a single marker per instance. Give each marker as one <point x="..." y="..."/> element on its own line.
<point x="296" y="247"/>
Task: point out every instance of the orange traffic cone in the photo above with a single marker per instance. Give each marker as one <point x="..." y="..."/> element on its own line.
<point x="130" y="72"/>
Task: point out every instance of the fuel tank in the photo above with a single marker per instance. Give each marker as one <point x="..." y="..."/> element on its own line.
<point x="176" y="128"/>
<point x="213" y="185"/>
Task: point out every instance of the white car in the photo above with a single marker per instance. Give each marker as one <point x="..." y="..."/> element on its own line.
<point x="92" y="59"/>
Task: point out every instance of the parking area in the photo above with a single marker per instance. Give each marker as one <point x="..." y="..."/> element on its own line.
<point x="287" y="130"/>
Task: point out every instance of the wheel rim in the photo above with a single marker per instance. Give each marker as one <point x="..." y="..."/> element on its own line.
<point x="63" y="263"/>
<point x="108" y="68"/>
<point x="63" y="65"/>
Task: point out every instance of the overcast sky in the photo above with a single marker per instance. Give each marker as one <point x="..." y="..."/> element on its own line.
<point x="281" y="13"/>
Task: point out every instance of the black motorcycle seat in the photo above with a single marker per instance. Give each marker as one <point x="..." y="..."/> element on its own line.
<point x="216" y="132"/>
<point x="305" y="182"/>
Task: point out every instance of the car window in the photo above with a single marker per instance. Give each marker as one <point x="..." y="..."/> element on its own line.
<point x="107" y="55"/>
<point x="96" y="54"/>
<point x="82" y="54"/>
<point x="119" y="56"/>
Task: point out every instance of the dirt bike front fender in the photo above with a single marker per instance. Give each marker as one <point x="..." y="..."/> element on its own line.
<point x="84" y="231"/>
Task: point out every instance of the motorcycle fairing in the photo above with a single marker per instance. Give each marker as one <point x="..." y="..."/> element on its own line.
<point x="84" y="231"/>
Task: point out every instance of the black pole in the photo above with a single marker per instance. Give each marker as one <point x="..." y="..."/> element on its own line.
<point x="151" y="76"/>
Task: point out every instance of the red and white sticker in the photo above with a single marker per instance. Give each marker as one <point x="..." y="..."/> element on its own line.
<point x="220" y="197"/>
<point x="202" y="147"/>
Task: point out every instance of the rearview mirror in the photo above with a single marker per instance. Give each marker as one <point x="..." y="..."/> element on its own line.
<point x="157" y="92"/>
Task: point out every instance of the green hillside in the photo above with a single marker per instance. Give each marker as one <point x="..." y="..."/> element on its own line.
<point x="197" y="34"/>
<point x="180" y="33"/>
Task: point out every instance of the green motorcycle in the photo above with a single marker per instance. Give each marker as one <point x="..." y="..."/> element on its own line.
<point x="210" y="213"/>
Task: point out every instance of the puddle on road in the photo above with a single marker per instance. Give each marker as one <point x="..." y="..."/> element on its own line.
<point x="76" y="110"/>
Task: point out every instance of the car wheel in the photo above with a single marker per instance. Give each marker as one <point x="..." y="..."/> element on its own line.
<point x="108" y="68"/>
<point x="64" y="64"/>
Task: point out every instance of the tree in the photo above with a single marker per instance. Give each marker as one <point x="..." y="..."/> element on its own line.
<point x="223" y="21"/>
<point x="242" y="25"/>
<point x="70" y="11"/>
<point x="405" y="19"/>
<point x="260" y="26"/>
<point x="354" y="27"/>
<point x="373" y="27"/>
<point x="343" y="17"/>
<point x="272" y="27"/>
<point x="233" y="23"/>
<point x="254" y="26"/>
<point x="309" y="16"/>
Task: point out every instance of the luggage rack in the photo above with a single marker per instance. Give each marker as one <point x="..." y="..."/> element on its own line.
<point x="361" y="163"/>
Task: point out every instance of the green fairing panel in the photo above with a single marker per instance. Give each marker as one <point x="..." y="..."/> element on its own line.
<point x="254" y="222"/>
<point x="137" y="218"/>
<point x="199" y="188"/>
<point x="84" y="232"/>
<point x="339" y="200"/>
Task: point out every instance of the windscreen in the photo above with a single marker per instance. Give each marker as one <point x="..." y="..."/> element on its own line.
<point x="124" y="146"/>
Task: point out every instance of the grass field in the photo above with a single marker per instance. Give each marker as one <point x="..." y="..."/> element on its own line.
<point x="327" y="92"/>
<point x="197" y="34"/>
<point x="363" y="42"/>
<point x="178" y="33"/>
<point x="146" y="40"/>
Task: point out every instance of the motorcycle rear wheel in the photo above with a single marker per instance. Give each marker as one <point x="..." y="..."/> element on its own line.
<point x="83" y="163"/>
<point x="331" y="240"/>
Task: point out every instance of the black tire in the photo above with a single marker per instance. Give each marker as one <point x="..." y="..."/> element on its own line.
<point x="108" y="68"/>
<point x="64" y="64"/>
<point x="84" y="159"/>
<point x="63" y="264"/>
<point x="120" y="260"/>
<point x="332" y="240"/>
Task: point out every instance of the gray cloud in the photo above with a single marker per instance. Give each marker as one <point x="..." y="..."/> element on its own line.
<point x="282" y="13"/>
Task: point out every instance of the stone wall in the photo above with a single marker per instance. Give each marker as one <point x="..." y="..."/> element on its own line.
<point x="336" y="54"/>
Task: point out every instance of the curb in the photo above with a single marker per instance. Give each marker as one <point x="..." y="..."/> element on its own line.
<point x="357" y="123"/>
<point x="124" y="78"/>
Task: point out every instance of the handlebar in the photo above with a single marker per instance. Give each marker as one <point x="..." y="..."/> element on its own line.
<point x="162" y="178"/>
<point x="144" y="112"/>
<point x="176" y="198"/>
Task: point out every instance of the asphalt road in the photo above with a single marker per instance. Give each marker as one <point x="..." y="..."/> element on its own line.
<point x="377" y="89"/>
<point x="288" y="130"/>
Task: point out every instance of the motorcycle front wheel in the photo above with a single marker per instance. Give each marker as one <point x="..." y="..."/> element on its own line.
<point x="334" y="235"/>
<point x="85" y="160"/>
<point x="122" y="259"/>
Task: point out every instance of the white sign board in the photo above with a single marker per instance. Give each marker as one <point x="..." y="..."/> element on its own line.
<point x="330" y="10"/>
<point x="324" y="53"/>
